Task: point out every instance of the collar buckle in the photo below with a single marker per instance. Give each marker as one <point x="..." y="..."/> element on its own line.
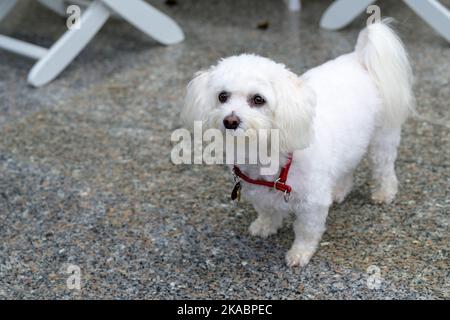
<point x="278" y="182"/>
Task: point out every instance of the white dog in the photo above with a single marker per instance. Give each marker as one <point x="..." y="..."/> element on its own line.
<point x="328" y="118"/>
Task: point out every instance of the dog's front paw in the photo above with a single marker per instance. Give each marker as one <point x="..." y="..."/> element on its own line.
<point x="298" y="256"/>
<point x="262" y="228"/>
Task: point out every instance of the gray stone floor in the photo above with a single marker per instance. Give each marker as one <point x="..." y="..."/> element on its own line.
<point x="86" y="178"/>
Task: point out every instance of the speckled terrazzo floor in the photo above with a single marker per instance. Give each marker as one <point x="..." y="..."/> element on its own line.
<point x="86" y="178"/>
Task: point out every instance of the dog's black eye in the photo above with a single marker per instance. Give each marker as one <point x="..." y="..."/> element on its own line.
<point x="223" y="96"/>
<point x="257" y="100"/>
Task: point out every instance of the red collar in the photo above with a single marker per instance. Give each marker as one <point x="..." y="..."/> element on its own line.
<point x="279" y="184"/>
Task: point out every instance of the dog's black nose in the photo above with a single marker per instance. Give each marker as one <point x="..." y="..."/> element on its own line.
<point x="231" y="122"/>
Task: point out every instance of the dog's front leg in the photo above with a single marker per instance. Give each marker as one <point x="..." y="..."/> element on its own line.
<point x="309" y="227"/>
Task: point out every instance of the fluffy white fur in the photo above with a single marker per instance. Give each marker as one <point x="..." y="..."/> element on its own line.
<point x="329" y="118"/>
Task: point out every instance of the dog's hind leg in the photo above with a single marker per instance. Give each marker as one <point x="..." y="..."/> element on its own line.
<point x="382" y="155"/>
<point x="267" y="223"/>
<point x="343" y="187"/>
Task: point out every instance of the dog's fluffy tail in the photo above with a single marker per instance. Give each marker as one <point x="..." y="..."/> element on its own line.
<point x="382" y="52"/>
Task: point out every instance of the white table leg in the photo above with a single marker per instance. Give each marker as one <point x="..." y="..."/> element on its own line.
<point x="148" y="19"/>
<point x="69" y="45"/>
<point x="5" y="7"/>
<point x="434" y="13"/>
<point x="342" y="12"/>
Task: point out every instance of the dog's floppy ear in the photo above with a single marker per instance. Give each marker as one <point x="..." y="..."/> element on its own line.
<point x="197" y="101"/>
<point x="294" y="112"/>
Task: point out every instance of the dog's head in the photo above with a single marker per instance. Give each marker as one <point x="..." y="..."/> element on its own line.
<point x="252" y="92"/>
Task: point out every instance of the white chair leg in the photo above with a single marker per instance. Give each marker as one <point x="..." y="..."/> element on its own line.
<point x="294" y="5"/>
<point x="21" y="47"/>
<point x="69" y="45"/>
<point x="148" y="19"/>
<point x="60" y="6"/>
<point x="57" y="6"/>
<point x="342" y="12"/>
<point x="434" y="13"/>
<point x="5" y="7"/>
